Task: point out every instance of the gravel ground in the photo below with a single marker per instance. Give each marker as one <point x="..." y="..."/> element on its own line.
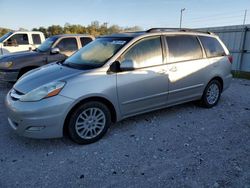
<point x="182" y="146"/>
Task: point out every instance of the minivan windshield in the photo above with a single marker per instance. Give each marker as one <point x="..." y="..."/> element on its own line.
<point x="5" y="36"/>
<point x="96" y="53"/>
<point x="47" y="44"/>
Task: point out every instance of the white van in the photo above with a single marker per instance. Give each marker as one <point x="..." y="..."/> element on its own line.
<point x="119" y="76"/>
<point x="16" y="41"/>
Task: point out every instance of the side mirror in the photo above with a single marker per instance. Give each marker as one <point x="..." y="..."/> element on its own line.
<point x="55" y="51"/>
<point x="114" y="67"/>
<point x="128" y="65"/>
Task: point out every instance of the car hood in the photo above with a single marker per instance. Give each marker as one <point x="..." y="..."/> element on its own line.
<point x="18" y="55"/>
<point x="44" y="75"/>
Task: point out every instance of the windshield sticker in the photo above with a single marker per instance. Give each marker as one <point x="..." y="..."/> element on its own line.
<point x="120" y="42"/>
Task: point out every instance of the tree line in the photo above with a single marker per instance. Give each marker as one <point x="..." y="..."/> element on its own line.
<point x="95" y="29"/>
<point x="3" y="31"/>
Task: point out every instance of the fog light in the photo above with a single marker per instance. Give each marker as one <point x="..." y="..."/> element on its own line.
<point x="35" y="128"/>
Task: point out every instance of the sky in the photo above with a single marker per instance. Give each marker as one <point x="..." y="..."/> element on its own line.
<point x="28" y="14"/>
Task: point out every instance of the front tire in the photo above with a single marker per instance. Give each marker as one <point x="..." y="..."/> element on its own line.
<point x="211" y="95"/>
<point x="89" y="122"/>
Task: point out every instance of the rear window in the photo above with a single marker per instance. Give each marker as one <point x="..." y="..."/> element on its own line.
<point x="36" y="38"/>
<point x="212" y="46"/>
<point x="85" y="40"/>
<point x="183" y="48"/>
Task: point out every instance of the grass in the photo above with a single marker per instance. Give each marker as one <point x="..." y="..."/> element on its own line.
<point x="241" y="74"/>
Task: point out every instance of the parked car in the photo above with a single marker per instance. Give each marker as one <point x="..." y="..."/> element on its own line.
<point x="118" y="76"/>
<point x="16" y="41"/>
<point x="55" y="48"/>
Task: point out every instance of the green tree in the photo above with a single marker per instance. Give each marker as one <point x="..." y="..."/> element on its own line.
<point x="43" y="30"/>
<point x="95" y="28"/>
<point x="132" y="29"/>
<point x="55" y="30"/>
<point x="22" y="29"/>
<point x="114" y="29"/>
<point x="4" y="31"/>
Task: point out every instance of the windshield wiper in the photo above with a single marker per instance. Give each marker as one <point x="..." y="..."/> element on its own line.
<point x="80" y="67"/>
<point x="67" y="64"/>
<point x="42" y="51"/>
<point x="38" y="50"/>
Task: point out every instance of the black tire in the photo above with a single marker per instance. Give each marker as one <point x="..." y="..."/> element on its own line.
<point x="75" y="115"/>
<point x="205" y="100"/>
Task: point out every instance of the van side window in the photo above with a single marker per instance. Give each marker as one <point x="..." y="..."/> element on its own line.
<point x="18" y="39"/>
<point x="85" y="40"/>
<point x="212" y="46"/>
<point x="36" y="38"/>
<point x="147" y="52"/>
<point x="183" y="48"/>
<point x="67" y="44"/>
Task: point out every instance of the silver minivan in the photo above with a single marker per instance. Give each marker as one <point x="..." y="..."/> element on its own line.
<point x="118" y="76"/>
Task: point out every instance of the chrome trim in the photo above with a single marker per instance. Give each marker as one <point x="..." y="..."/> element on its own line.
<point x="186" y="88"/>
<point x="14" y="94"/>
<point x="145" y="98"/>
<point x="8" y="76"/>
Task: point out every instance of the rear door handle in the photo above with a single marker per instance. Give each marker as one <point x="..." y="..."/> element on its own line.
<point x="173" y="69"/>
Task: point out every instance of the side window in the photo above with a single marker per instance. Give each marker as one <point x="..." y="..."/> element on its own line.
<point x="36" y="38"/>
<point x="212" y="46"/>
<point x="85" y="40"/>
<point x="18" y="39"/>
<point x="147" y="52"/>
<point x="183" y="48"/>
<point x="67" y="44"/>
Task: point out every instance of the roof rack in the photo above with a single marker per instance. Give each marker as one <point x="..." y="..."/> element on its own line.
<point x="176" y="29"/>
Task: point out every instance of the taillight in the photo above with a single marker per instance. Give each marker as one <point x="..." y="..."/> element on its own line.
<point x="230" y="59"/>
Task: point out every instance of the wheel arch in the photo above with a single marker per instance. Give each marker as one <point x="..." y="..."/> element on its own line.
<point x="23" y="70"/>
<point x="219" y="79"/>
<point x="98" y="99"/>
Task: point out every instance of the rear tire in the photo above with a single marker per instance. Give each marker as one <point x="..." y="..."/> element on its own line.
<point x="211" y="94"/>
<point x="89" y="122"/>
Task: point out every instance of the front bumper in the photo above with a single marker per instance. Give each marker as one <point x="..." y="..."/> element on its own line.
<point x="8" y="75"/>
<point x="41" y="119"/>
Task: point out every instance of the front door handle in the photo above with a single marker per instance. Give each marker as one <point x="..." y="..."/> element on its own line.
<point x="173" y="69"/>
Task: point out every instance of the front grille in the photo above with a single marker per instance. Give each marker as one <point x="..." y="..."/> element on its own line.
<point x="15" y="94"/>
<point x="2" y="75"/>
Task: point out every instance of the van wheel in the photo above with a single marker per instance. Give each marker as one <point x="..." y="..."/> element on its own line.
<point x="89" y="122"/>
<point x="211" y="94"/>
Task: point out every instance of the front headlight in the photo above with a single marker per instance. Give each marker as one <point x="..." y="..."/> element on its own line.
<point x="7" y="64"/>
<point x="45" y="91"/>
